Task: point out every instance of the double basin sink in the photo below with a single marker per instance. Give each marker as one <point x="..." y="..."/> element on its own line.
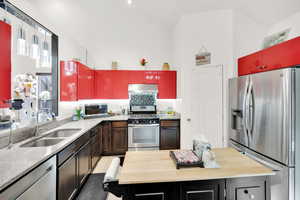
<point x="51" y="138"/>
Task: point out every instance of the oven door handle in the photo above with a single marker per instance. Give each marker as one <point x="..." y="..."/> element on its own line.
<point x="142" y="125"/>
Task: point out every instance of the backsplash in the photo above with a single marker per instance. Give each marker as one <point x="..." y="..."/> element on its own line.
<point x="67" y="108"/>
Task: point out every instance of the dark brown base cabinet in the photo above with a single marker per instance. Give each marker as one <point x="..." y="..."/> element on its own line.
<point x="67" y="179"/>
<point x="115" y="138"/>
<point x="84" y="163"/>
<point x="106" y="138"/>
<point x="169" y="134"/>
<point x="255" y="188"/>
<point x="76" y="162"/>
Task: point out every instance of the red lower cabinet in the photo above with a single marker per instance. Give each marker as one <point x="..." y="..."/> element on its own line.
<point x="5" y="63"/>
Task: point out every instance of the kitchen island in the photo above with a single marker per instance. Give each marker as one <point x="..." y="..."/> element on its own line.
<point x="153" y="175"/>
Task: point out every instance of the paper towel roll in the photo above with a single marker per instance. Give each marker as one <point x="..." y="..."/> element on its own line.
<point x="112" y="171"/>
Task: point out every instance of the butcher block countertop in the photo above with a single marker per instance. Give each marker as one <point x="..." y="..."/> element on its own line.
<point x="157" y="167"/>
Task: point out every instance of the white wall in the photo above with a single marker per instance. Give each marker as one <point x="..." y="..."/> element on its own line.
<point x="248" y="35"/>
<point x="292" y="22"/>
<point x="111" y="31"/>
<point x="214" y="30"/>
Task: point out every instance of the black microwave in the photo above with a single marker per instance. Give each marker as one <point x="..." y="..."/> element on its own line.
<point x="91" y="110"/>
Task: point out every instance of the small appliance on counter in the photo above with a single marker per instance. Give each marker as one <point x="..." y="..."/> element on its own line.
<point x="95" y="110"/>
<point x="143" y="123"/>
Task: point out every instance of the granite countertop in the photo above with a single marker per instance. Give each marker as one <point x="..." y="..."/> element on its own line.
<point x="17" y="161"/>
<point x="157" y="167"/>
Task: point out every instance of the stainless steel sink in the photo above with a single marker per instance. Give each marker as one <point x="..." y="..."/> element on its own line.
<point x="62" y="133"/>
<point x="43" y="142"/>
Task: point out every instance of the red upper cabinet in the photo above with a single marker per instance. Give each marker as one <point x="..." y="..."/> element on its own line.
<point x="249" y="64"/>
<point x="86" y="82"/>
<point x="5" y="63"/>
<point x="283" y="55"/>
<point x="77" y="81"/>
<point x="68" y="81"/>
<point x="286" y="54"/>
<point x="113" y="84"/>
<point x="167" y="85"/>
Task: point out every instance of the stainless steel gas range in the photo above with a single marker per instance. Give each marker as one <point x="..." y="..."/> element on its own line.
<point x="143" y="133"/>
<point x="143" y="123"/>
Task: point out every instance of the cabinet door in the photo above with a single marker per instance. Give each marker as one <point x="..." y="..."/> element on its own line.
<point x="84" y="163"/>
<point x="204" y="190"/>
<point x="95" y="154"/>
<point x="247" y="188"/>
<point x="86" y="82"/>
<point x="250" y="64"/>
<point x="285" y="54"/>
<point x="106" y="138"/>
<point x="169" y="138"/>
<point x="119" y="140"/>
<point x="167" y="85"/>
<point x="100" y="147"/>
<point x="68" y="81"/>
<point x="5" y="60"/>
<point x="67" y="179"/>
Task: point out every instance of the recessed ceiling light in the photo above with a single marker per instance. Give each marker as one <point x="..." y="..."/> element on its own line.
<point x="129" y="2"/>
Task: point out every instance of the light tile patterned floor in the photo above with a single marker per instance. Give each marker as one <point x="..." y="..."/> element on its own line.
<point x="101" y="167"/>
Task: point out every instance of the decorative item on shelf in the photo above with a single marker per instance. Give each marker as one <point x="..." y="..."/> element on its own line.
<point x="276" y="38"/>
<point x="114" y="65"/>
<point x="203" y="57"/>
<point x="143" y="62"/>
<point x="166" y="66"/>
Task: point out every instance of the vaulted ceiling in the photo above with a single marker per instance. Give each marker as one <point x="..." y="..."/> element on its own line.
<point x="86" y="20"/>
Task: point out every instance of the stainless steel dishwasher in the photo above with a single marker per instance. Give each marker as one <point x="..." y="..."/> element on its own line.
<point x="40" y="184"/>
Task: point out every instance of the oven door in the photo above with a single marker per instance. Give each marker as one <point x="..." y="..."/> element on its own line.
<point x="143" y="136"/>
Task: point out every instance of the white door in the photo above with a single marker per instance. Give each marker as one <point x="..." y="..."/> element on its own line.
<point x="203" y="103"/>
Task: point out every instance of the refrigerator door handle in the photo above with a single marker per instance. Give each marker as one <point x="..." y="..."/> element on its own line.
<point x="251" y="109"/>
<point x="284" y="117"/>
<point x="245" y="109"/>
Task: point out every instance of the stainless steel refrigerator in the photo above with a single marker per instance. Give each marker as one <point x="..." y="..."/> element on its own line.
<point x="265" y="125"/>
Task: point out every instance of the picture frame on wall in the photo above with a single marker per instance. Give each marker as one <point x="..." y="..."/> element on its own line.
<point x="203" y="57"/>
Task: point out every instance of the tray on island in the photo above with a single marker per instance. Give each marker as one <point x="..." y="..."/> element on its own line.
<point x="186" y="158"/>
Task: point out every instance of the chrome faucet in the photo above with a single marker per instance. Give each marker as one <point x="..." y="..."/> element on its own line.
<point x="37" y="127"/>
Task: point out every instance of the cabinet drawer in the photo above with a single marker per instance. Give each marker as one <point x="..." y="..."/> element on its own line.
<point x="82" y="140"/>
<point x="119" y="124"/>
<point x="252" y="193"/>
<point x="253" y="188"/>
<point x="94" y="132"/>
<point x="66" y="153"/>
<point x="170" y="123"/>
